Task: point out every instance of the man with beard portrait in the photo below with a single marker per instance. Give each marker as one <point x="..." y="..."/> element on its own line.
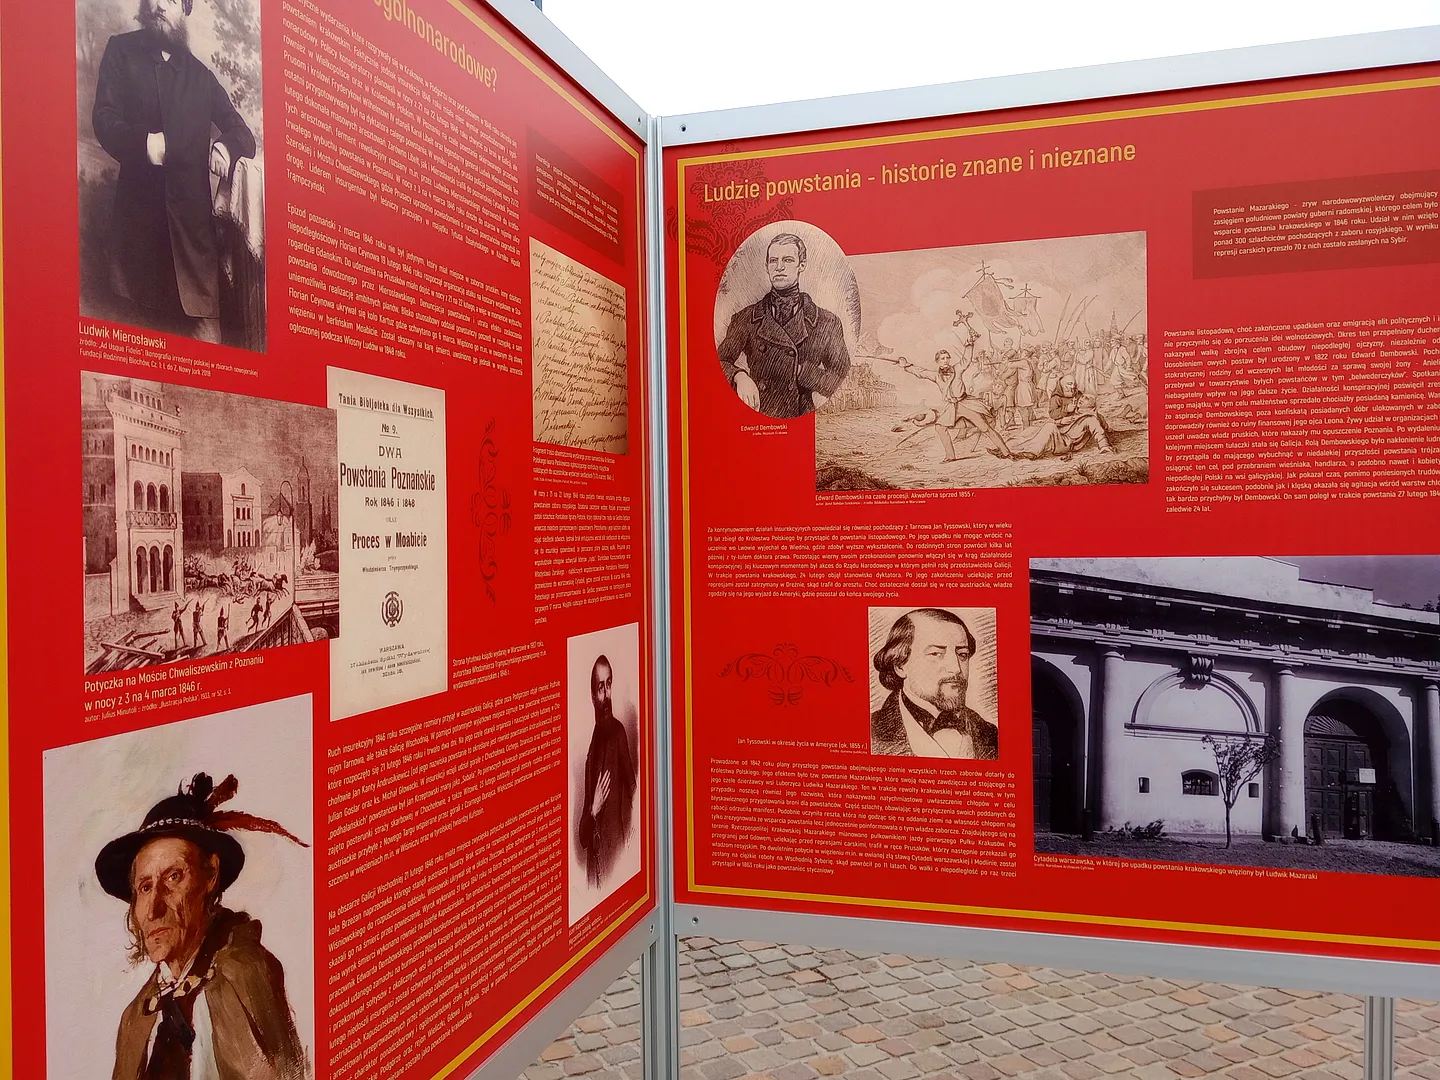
<point x="925" y="664"/>
<point x="610" y="781"/>
<point x="156" y="108"/>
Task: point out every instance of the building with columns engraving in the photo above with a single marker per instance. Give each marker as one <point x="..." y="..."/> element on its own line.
<point x="1135" y="661"/>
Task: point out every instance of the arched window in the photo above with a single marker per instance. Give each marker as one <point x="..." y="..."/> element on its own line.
<point x="155" y="569"/>
<point x="164" y="498"/>
<point x="103" y="495"/>
<point x="152" y="501"/>
<point x="242" y="489"/>
<point x="169" y="568"/>
<point x="1199" y="782"/>
<point x="139" y="495"/>
<point x="140" y="570"/>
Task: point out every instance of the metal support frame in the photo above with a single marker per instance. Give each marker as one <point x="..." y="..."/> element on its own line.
<point x="1376" y="978"/>
<point x="522" y="1048"/>
<point x="1379" y="1038"/>
<point x="656" y="940"/>
<point x="660" y="986"/>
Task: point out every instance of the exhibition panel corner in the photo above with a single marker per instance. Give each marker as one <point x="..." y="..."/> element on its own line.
<point x="326" y="401"/>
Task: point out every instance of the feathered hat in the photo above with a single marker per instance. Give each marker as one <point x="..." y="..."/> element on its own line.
<point x="189" y="814"/>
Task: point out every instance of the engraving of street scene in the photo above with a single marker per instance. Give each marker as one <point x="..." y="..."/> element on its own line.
<point x="209" y="523"/>
<point x="994" y="365"/>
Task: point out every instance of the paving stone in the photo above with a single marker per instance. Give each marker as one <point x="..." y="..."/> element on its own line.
<point x="725" y="1068"/>
<point x="794" y="1051"/>
<point x="866" y="1054"/>
<point x="762" y="1060"/>
<point x="897" y="1069"/>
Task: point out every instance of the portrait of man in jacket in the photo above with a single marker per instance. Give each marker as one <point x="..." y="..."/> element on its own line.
<point x="784" y="355"/>
<point x="611" y="779"/>
<point x="162" y="115"/>
<point x="925" y="665"/>
<point x="215" y="1003"/>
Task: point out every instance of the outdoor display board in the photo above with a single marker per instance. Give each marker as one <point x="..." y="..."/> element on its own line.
<point x="326" y="521"/>
<point x="1053" y="514"/>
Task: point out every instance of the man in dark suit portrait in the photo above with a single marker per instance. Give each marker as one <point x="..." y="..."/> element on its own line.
<point x="610" y="782"/>
<point x="925" y="664"/>
<point x="784" y="355"/>
<point x="155" y="107"/>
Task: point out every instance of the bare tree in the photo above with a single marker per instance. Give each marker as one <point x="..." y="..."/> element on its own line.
<point x="1238" y="760"/>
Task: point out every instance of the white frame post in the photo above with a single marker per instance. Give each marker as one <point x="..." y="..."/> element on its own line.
<point x="1378" y="980"/>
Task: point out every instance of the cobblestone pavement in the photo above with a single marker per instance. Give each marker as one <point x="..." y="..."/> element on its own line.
<point x="767" y="1012"/>
<point x="1417" y="1039"/>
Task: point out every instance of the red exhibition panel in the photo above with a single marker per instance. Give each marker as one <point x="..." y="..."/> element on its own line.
<point x="325" y="375"/>
<point x="1054" y="513"/>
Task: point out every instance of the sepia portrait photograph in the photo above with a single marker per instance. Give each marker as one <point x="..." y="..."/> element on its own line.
<point x="210" y="523"/>
<point x="179" y="900"/>
<point x="1241" y="710"/>
<point x="602" y="738"/>
<point x="933" y="683"/>
<point x="787" y="317"/>
<point x="994" y="365"/>
<point x="170" y="167"/>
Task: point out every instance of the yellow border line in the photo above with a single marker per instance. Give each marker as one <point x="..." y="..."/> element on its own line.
<point x="605" y="125"/>
<point x="682" y="260"/>
<point x="1074" y="917"/>
<point x="525" y="1002"/>
<point x="7" y="971"/>
<point x="1067" y="121"/>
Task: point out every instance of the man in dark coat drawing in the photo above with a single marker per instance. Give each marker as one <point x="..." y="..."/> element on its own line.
<point x="783" y="354"/>
<point x="215" y="1005"/>
<point x="155" y="106"/>
<point x="925" y="664"/>
<point x="610" y="781"/>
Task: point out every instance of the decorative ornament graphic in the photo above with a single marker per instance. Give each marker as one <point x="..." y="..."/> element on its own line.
<point x="490" y="510"/>
<point x="731" y="221"/>
<point x="392" y="609"/>
<point x="786" y="671"/>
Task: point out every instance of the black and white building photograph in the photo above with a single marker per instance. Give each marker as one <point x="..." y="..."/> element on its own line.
<point x="1278" y="712"/>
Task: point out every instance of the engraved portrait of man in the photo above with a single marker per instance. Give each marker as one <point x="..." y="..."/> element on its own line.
<point x="784" y="354"/>
<point x="924" y="664"/>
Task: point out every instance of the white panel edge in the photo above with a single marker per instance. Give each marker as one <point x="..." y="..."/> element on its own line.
<point x="537" y="28"/>
<point x="1389" y="48"/>
<point x="1381" y="978"/>
<point x="521" y="1049"/>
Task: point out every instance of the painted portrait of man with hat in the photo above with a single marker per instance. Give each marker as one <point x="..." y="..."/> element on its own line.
<point x="215" y="1004"/>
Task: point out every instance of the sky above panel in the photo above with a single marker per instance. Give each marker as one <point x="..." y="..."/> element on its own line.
<point x="680" y="56"/>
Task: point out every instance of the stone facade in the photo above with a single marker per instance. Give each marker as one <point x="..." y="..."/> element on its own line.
<point x="1135" y="661"/>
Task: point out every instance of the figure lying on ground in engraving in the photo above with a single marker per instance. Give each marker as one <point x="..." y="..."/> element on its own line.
<point x="784" y="355"/>
<point x="610" y="782"/>
<point x="925" y="664"/>
<point x="959" y="408"/>
<point x="215" y="1005"/>
<point x="1073" y="422"/>
<point x="155" y="105"/>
